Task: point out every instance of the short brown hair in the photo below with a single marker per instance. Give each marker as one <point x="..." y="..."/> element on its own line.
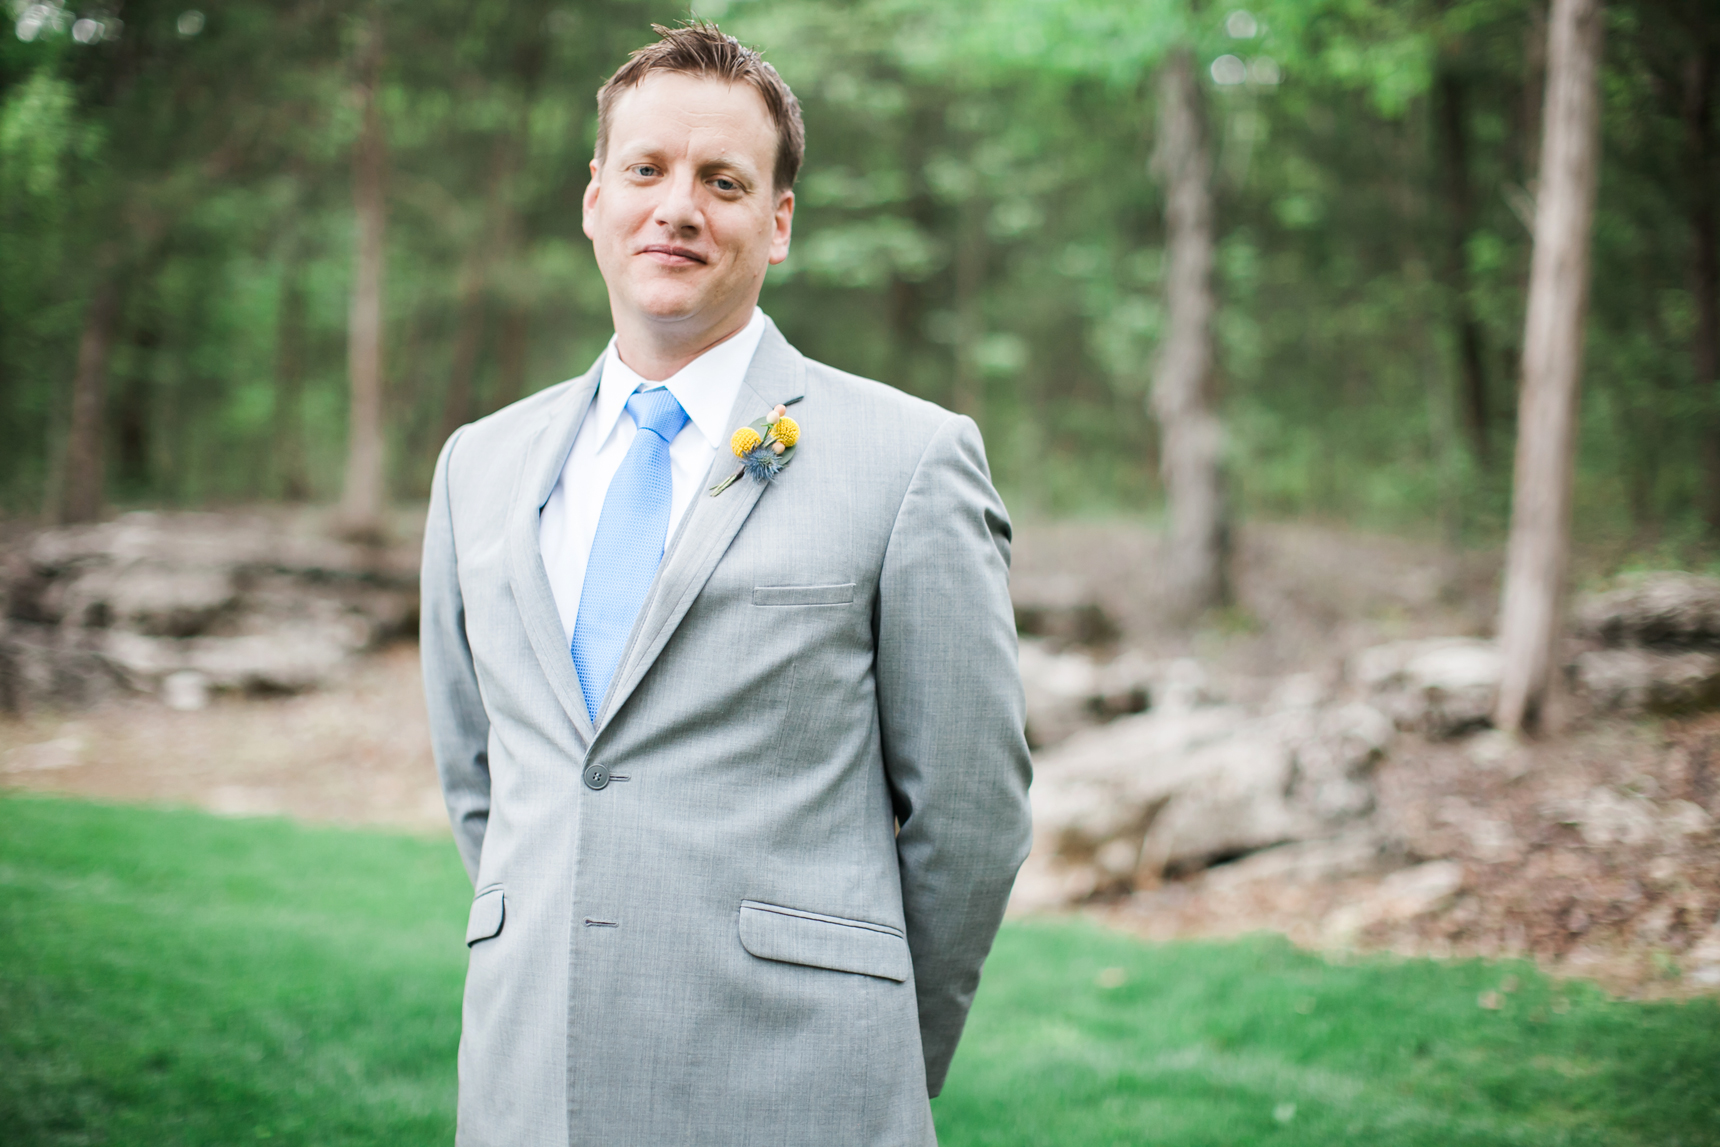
<point x="698" y="48"/>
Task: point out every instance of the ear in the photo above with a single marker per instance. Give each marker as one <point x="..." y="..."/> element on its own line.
<point x="782" y="227"/>
<point x="588" y="203"/>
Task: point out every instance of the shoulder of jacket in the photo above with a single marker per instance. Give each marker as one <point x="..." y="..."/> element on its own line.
<point x="501" y="433"/>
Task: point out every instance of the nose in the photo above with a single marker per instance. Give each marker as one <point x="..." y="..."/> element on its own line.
<point x="678" y="209"/>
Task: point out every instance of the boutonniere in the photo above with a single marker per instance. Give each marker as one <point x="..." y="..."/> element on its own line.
<point x="764" y="447"/>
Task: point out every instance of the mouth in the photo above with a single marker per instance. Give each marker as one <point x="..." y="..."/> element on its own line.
<point x="670" y="256"/>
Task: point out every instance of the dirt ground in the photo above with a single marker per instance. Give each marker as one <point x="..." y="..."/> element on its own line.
<point x="1617" y="898"/>
<point x="1622" y="909"/>
<point x="359" y="754"/>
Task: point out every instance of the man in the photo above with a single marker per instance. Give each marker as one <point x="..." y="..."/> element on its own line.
<point x="736" y="766"/>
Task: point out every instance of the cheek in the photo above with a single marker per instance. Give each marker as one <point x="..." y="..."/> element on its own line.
<point x="745" y="232"/>
<point x="618" y="216"/>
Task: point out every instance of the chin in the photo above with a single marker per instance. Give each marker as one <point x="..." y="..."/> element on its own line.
<point x="670" y="302"/>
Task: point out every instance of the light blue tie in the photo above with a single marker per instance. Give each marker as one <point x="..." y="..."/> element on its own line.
<point x="628" y="546"/>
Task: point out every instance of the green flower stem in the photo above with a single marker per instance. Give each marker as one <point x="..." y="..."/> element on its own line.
<point x="727" y="482"/>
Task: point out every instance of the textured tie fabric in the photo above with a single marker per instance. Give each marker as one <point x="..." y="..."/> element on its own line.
<point x="628" y="546"/>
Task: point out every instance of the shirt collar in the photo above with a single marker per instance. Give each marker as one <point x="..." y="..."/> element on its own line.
<point x="706" y="388"/>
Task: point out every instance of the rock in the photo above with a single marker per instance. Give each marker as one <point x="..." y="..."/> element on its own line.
<point x="257" y="602"/>
<point x="42" y="664"/>
<point x="1299" y="691"/>
<point x="1605" y="816"/>
<point x="1649" y="680"/>
<point x="1404" y="895"/>
<point x="1702" y="962"/>
<point x="1061" y="611"/>
<point x="292" y="659"/>
<point x="1443" y="687"/>
<point x="1057" y="687"/>
<point x="1125" y="685"/>
<point x="1660" y="608"/>
<point x="1493" y="840"/>
<point x="147" y="597"/>
<point x="1303" y="862"/>
<point x="1175" y="789"/>
<point x="1686" y="818"/>
<point x="289" y="660"/>
<point x="1234" y="800"/>
<point x="186" y="690"/>
<point x="1069" y="690"/>
<point x="1110" y="781"/>
<point x="1499" y="751"/>
<point x="1183" y="685"/>
<point x="1334" y="749"/>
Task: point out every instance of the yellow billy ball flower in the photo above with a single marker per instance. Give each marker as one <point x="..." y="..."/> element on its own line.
<point x="745" y="439"/>
<point x="786" y="431"/>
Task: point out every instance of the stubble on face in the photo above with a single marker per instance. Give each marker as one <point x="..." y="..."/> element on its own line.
<point x="683" y="217"/>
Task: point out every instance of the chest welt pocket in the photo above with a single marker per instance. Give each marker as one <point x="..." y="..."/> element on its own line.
<point x="486" y="917"/>
<point x="790" y="936"/>
<point x="804" y="594"/>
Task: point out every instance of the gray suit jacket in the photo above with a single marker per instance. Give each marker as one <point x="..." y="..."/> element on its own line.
<point x="698" y="922"/>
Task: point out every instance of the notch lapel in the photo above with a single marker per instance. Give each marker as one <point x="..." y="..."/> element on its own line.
<point x="545" y="456"/>
<point x="777" y="374"/>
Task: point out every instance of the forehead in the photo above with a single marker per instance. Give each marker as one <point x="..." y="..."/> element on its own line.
<point x="673" y="109"/>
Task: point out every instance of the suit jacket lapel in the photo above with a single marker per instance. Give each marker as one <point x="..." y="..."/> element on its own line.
<point x="777" y="374"/>
<point x="545" y="456"/>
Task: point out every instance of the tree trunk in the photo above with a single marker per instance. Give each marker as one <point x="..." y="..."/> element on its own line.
<point x="1705" y="264"/>
<point x="497" y="237"/>
<point x="362" y="501"/>
<point x="1192" y="439"/>
<point x="1552" y="365"/>
<point x="84" y="497"/>
<point x="966" y="392"/>
<point x="1460" y="223"/>
<point x="515" y="340"/>
<point x="468" y="339"/>
<point x="290" y="387"/>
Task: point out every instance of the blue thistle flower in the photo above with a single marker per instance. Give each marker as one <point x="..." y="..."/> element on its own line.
<point x="761" y="463"/>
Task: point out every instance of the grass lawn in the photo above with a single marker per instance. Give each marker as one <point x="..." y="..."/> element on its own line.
<point x="174" y="978"/>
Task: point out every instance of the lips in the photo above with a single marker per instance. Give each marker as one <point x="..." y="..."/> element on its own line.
<point x="673" y="256"/>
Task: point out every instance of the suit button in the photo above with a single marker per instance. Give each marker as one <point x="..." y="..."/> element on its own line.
<point x="596" y="777"/>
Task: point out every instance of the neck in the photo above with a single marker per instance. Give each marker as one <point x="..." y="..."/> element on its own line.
<point x="656" y="350"/>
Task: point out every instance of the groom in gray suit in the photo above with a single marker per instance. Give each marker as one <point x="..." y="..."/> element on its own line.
<point x="722" y="678"/>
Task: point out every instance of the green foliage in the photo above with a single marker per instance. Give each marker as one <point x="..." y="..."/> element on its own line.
<point x="1083" y="1037"/>
<point x="169" y="977"/>
<point x="977" y="223"/>
<point x="175" y="978"/>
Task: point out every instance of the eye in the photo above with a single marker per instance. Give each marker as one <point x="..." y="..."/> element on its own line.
<point x="724" y="183"/>
<point x="645" y="170"/>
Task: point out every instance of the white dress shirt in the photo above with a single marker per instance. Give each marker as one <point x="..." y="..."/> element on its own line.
<point x="706" y="389"/>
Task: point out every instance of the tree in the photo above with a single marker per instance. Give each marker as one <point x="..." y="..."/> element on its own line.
<point x="1552" y="364"/>
<point x="1451" y="112"/>
<point x="83" y="497"/>
<point x="1700" y="77"/>
<point x="1191" y="450"/>
<point x="362" y="498"/>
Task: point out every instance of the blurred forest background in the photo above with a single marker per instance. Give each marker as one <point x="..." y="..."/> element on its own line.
<point x="197" y="206"/>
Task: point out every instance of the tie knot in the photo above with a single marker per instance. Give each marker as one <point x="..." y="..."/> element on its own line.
<point x="657" y="411"/>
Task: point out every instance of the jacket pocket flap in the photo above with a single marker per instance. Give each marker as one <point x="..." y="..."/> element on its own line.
<point x="486" y="918"/>
<point x="804" y="594"/>
<point x="788" y="935"/>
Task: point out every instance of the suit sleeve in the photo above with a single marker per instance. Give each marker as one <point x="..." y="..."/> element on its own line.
<point x="459" y="726"/>
<point x="952" y="717"/>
